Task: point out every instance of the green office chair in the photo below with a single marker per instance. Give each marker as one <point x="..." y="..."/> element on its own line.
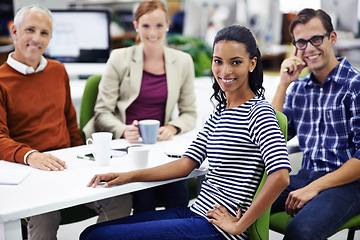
<point x="279" y="221"/>
<point x="259" y="230"/>
<point x="88" y="101"/>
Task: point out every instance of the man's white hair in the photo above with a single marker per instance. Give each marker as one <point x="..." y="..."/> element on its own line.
<point x="19" y="17"/>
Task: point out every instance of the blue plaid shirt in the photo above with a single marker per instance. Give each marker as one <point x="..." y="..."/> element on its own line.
<point x="326" y="118"/>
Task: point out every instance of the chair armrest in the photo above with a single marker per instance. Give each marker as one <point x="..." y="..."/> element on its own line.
<point x="293" y="149"/>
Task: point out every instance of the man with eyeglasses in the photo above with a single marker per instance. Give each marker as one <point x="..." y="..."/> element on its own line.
<point x="323" y="110"/>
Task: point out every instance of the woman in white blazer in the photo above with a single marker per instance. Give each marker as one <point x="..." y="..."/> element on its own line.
<point x="120" y="86"/>
<point x="127" y="73"/>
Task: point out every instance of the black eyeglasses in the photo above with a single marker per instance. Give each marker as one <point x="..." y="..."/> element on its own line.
<point x="317" y="40"/>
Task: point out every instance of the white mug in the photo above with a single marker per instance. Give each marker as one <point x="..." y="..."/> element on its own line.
<point x="100" y="145"/>
<point x="138" y="157"/>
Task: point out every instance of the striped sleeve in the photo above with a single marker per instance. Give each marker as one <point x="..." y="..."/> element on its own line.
<point x="265" y="132"/>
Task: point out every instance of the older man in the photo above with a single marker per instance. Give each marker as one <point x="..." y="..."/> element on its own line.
<point x="36" y="111"/>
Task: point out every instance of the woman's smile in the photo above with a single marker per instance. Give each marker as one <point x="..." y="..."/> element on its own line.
<point x="227" y="80"/>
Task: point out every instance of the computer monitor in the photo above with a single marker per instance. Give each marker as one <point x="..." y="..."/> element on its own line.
<point x="80" y="35"/>
<point x="344" y="15"/>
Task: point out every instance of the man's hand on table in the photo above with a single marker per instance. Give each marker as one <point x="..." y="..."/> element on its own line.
<point x="45" y="161"/>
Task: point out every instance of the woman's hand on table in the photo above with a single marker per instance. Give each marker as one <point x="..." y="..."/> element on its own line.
<point x="166" y="132"/>
<point x="110" y="179"/>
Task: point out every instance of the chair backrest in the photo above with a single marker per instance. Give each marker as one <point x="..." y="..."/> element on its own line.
<point x="88" y="100"/>
<point x="259" y="230"/>
<point x="282" y="121"/>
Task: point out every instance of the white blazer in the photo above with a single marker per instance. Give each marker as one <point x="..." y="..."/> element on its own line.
<point x="120" y="86"/>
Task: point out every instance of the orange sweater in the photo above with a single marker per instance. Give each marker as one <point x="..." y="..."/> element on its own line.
<point x="36" y="112"/>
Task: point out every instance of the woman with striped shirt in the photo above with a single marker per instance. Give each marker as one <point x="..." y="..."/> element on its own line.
<point x="241" y="140"/>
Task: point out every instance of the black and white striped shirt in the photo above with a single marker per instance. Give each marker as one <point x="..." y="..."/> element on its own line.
<point x="239" y="143"/>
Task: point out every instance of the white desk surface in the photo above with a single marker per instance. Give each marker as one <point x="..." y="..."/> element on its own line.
<point x="44" y="191"/>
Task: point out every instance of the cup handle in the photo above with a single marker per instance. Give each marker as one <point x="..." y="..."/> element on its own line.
<point x="89" y="140"/>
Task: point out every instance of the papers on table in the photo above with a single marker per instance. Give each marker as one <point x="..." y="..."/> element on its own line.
<point x="10" y="176"/>
<point x="117" y="153"/>
<point x="113" y="153"/>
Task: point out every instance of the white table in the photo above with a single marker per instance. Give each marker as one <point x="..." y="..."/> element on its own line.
<point x="44" y="191"/>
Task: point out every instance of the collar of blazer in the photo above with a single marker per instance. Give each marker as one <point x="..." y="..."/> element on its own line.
<point x="171" y="69"/>
<point x="138" y="55"/>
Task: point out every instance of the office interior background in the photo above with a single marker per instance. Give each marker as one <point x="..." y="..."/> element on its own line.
<point x="86" y="37"/>
<point x="85" y="32"/>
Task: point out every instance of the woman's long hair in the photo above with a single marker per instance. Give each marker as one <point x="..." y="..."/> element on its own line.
<point x="242" y="35"/>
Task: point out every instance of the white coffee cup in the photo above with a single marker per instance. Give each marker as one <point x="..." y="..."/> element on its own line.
<point x="138" y="157"/>
<point x="100" y="145"/>
<point x="149" y="130"/>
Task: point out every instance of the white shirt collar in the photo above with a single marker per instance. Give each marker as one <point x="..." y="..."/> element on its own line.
<point x="24" y="69"/>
